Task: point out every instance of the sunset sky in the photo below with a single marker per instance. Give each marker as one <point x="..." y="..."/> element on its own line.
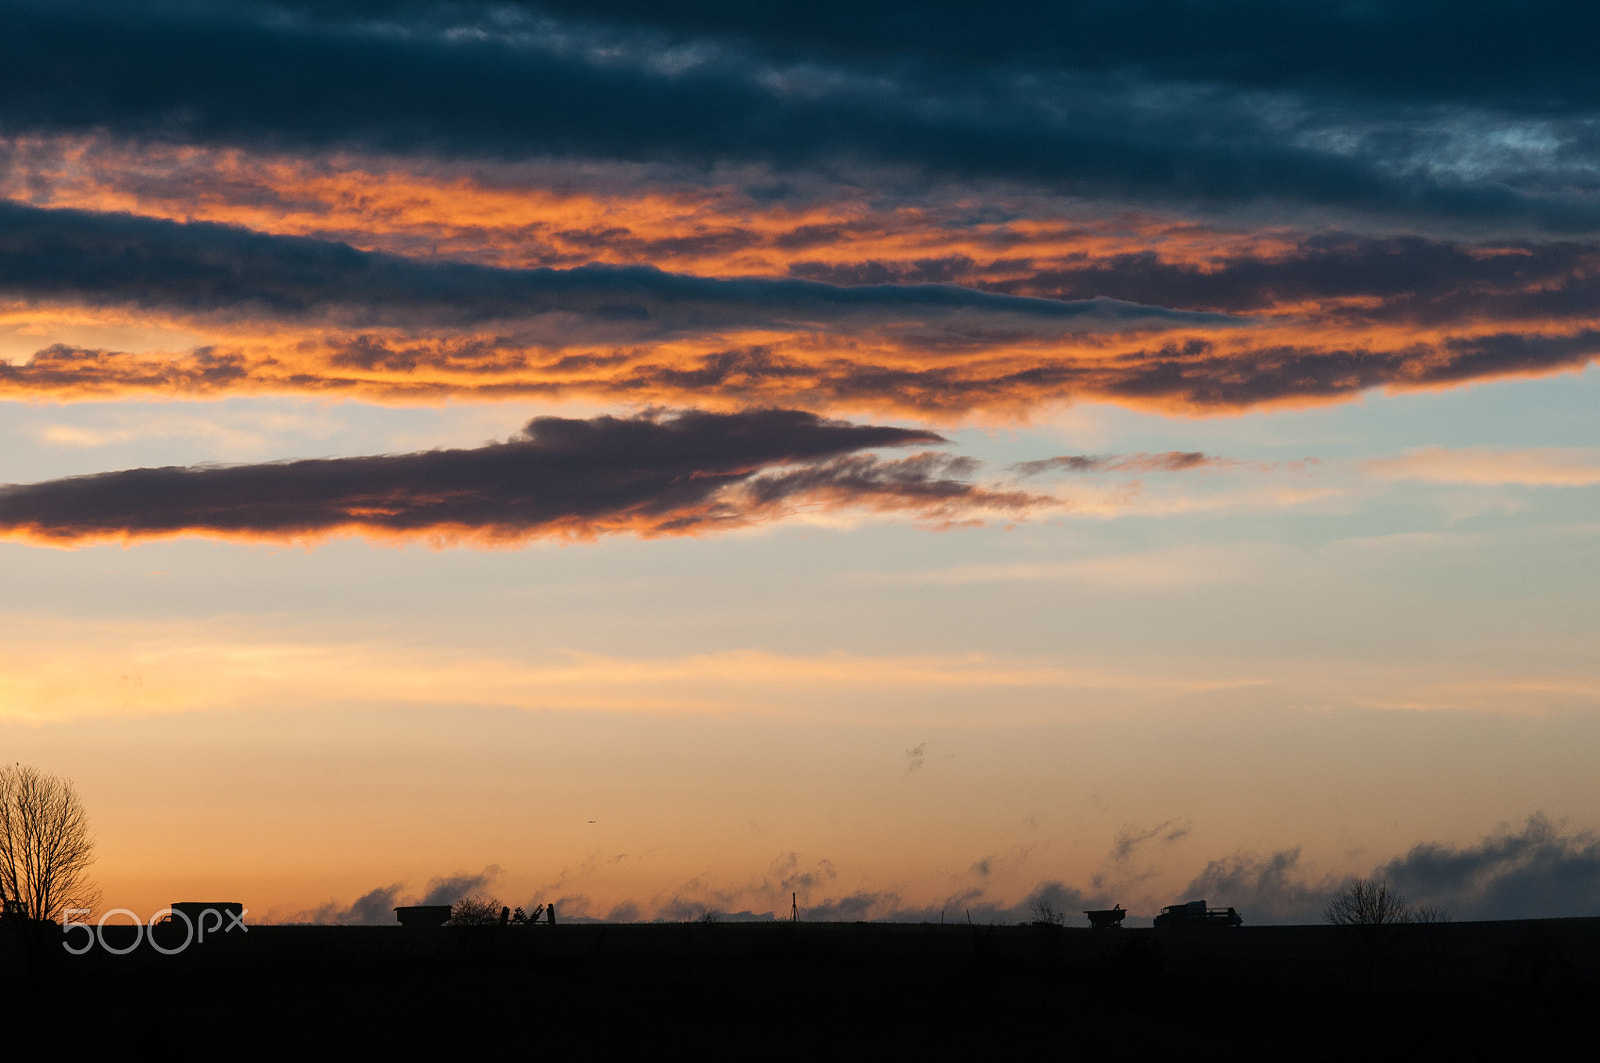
<point x="918" y="456"/>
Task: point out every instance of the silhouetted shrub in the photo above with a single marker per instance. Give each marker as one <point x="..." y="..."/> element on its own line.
<point x="1046" y="913"/>
<point x="475" y="911"/>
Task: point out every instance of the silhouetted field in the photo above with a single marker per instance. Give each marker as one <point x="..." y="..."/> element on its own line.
<point x="1512" y="990"/>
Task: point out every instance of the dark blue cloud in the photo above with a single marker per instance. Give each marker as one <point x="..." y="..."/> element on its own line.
<point x="1535" y="55"/>
<point x="1536" y="870"/>
<point x="206" y="268"/>
<point x="449" y="889"/>
<point x="1147" y="119"/>
<point x="373" y="908"/>
<point x="1396" y="278"/>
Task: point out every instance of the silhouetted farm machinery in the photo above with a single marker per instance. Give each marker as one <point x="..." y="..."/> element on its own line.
<point x="441" y="914"/>
<point x="1106" y="918"/>
<point x="1195" y="913"/>
<point x="422" y="914"/>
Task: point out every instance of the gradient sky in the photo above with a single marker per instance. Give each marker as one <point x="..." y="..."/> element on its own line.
<point x="662" y="458"/>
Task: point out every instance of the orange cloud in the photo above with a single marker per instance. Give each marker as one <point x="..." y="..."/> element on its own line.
<point x="938" y="378"/>
<point x="1329" y="315"/>
<point x="521" y="214"/>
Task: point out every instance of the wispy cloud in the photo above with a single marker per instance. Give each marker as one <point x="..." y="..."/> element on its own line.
<point x="1172" y="568"/>
<point x="1171" y="461"/>
<point x="1492" y="466"/>
<point x="87" y="671"/>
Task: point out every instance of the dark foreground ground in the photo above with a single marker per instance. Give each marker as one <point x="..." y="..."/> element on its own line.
<point x="1457" y="991"/>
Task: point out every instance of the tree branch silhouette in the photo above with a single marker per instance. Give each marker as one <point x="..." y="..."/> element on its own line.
<point x="45" y="844"/>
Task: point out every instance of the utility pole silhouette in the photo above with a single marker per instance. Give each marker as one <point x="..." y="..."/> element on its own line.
<point x="794" y="907"/>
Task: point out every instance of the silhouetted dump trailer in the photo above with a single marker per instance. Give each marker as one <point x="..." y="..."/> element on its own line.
<point x="1106" y="918"/>
<point x="423" y="914"/>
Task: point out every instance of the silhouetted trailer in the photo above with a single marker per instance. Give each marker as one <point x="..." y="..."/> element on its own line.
<point x="423" y="914"/>
<point x="1195" y="913"/>
<point x="1106" y="918"/>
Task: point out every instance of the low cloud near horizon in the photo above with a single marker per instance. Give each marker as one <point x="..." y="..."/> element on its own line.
<point x="1535" y="870"/>
<point x="376" y="907"/>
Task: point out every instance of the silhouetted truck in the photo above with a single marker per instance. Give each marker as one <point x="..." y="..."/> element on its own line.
<point x="223" y="913"/>
<point x="1195" y="913"/>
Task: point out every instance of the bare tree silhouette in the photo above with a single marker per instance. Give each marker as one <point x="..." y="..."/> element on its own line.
<point x="1373" y="914"/>
<point x="45" y="845"/>
<point x="1366" y="902"/>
